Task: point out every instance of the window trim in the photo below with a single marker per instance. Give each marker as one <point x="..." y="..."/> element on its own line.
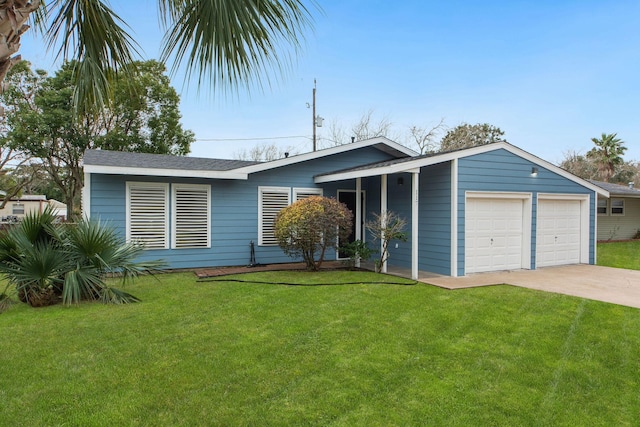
<point x="261" y="191"/>
<point x="611" y="208"/>
<point x="174" y="214"/>
<point x="147" y="184"/>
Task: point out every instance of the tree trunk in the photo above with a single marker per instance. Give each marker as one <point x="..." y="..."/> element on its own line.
<point x="13" y="17"/>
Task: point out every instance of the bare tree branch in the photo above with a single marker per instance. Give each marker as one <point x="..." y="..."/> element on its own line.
<point x="425" y="137"/>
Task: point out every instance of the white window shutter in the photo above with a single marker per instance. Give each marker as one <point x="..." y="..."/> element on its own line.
<point x="271" y="201"/>
<point x="191" y="216"/>
<point x="147" y="214"/>
<point x="303" y="193"/>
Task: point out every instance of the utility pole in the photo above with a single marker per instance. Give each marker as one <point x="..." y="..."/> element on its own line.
<point x="316" y="120"/>
<point x="314" y="115"/>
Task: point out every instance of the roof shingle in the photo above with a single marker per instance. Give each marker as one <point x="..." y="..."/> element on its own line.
<point x="160" y="161"/>
<point x="617" y="189"/>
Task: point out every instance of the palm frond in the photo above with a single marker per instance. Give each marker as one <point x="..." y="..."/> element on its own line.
<point x="232" y="41"/>
<point x="82" y="283"/>
<point x="8" y="247"/>
<point x="90" y="240"/>
<point x="39" y="266"/>
<point x="110" y="295"/>
<point x="38" y="18"/>
<point x="35" y="226"/>
<point x="5" y="303"/>
<point x="94" y="35"/>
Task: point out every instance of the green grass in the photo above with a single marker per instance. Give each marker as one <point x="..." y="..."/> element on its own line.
<point x="235" y="353"/>
<point x="620" y="254"/>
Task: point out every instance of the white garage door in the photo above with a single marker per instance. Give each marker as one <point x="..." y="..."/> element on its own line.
<point x="559" y="230"/>
<point x="493" y="234"/>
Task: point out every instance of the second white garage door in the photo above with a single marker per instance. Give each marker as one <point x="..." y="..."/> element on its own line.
<point x="494" y="234"/>
<point x="558" y="240"/>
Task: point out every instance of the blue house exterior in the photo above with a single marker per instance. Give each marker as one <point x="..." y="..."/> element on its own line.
<point x="486" y="208"/>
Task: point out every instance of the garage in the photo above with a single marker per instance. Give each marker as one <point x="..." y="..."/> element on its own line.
<point x="497" y="233"/>
<point x="561" y="231"/>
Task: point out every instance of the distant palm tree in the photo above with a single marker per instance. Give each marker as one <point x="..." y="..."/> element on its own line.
<point x="607" y="154"/>
<point x="224" y="42"/>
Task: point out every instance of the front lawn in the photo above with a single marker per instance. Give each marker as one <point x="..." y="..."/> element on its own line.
<point x="369" y="354"/>
<point x="620" y="254"/>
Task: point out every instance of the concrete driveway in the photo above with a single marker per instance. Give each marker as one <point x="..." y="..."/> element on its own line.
<point x="614" y="285"/>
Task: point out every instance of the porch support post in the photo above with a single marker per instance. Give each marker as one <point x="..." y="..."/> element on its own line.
<point x="358" y="215"/>
<point x="383" y="216"/>
<point x="454" y="218"/>
<point x="415" y="179"/>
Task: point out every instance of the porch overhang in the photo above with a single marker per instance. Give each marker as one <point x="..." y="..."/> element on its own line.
<point x="364" y="173"/>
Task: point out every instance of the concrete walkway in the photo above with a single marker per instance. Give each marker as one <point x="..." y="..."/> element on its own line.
<point x="614" y="285"/>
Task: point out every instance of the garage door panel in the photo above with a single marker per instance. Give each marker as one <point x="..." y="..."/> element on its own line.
<point x="559" y="233"/>
<point x="493" y="234"/>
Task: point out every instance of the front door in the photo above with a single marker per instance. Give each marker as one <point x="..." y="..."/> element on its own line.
<point x="348" y="197"/>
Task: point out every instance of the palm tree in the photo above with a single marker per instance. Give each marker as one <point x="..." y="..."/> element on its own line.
<point x="223" y="42"/>
<point x="607" y="154"/>
<point x="50" y="262"/>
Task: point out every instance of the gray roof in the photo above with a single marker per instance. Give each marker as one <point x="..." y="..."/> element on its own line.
<point x="617" y="189"/>
<point x="391" y="162"/>
<point x="384" y="163"/>
<point x="160" y="161"/>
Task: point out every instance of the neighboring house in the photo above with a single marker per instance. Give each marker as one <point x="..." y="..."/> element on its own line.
<point x="17" y="208"/>
<point x="487" y="208"/>
<point x="618" y="215"/>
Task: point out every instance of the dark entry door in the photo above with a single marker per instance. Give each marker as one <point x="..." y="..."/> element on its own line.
<point x="348" y="197"/>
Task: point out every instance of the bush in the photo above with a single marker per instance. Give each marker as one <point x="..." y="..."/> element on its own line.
<point x="311" y="226"/>
<point x="49" y="262"/>
<point x="357" y="251"/>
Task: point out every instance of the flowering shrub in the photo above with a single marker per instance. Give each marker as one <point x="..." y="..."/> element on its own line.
<point x="310" y="226"/>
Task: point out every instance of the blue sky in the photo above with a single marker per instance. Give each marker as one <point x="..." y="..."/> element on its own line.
<point x="551" y="74"/>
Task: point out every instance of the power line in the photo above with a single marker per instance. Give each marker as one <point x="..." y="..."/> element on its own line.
<point x="250" y="139"/>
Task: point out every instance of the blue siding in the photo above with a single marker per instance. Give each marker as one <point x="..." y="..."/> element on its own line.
<point x="435" y="219"/>
<point x="399" y="201"/>
<point x="501" y="170"/>
<point x="234" y="208"/>
<point x="434" y="215"/>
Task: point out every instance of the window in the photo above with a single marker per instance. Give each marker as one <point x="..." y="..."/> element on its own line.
<point x="18" y="209"/>
<point x="303" y="193"/>
<point x="148" y="214"/>
<point x="270" y="201"/>
<point x="617" y="206"/>
<point x="602" y="207"/>
<point x="191" y="216"/>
